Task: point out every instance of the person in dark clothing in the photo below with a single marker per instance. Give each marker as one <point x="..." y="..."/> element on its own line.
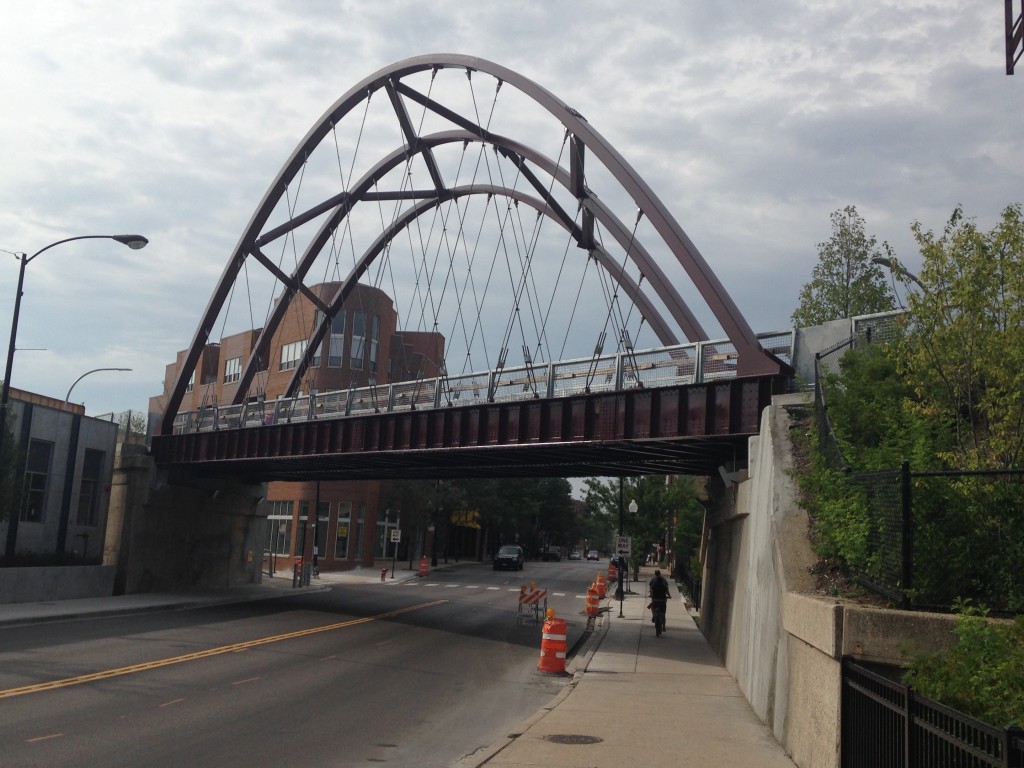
<point x="659" y="593"/>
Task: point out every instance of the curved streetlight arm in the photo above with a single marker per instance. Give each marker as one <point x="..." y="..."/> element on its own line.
<point x="897" y="269"/>
<point x="135" y="242"/>
<point x="94" y="370"/>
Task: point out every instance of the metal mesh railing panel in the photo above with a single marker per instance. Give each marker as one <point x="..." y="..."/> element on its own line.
<point x="464" y="390"/>
<point x="575" y="377"/>
<point x="523" y="383"/>
<point x="661" y="367"/>
<point x="718" y="360"/>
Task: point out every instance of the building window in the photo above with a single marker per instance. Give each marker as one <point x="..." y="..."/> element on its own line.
<point x="374" y="342"/>
<point x="279" y="528"/>
<point x="89" y="489"/>
<point x="291" y="354"/>
<point x="191" y="382"/>
<point x="37" y="476"/>
<point x="336" y="353"/>
<point x="232" y="370"/>
<point x="341" y="536"/>
<point x="358" y="339"/>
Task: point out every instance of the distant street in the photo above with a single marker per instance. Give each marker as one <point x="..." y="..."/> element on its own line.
<point x="411" y="673"/>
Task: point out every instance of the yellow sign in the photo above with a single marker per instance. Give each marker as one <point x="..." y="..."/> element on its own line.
<point x="342" y="531"/>
<point x="466" y="518"/>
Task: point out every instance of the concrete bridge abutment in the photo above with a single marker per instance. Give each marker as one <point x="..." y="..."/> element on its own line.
<point x="173" y="532"/>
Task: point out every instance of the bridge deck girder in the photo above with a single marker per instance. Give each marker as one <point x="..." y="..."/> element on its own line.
<point x="684" y="429"/>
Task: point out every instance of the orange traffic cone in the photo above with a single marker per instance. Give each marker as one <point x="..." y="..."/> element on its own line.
<point x="592" y="606"/>
<point x="601" y="585"/>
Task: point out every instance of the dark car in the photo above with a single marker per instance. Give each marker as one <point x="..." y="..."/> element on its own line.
<point x="509" y="556"/>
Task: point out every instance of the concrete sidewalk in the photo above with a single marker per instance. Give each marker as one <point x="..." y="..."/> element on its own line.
<point x="639" y="699"/>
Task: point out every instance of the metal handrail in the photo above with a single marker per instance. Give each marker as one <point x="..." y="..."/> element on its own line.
<point x="675" y="365"/>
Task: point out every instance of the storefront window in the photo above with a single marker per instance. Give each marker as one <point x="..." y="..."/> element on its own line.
<point x="279" y="528"/>
<point x="342" y="533"/>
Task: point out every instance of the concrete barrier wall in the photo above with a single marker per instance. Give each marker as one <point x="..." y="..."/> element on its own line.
<point x="30" y="585"/>
<point x="780" y="641"/>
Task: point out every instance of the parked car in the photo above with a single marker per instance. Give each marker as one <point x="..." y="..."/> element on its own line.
<point x="509" y="556"/>
<point x="592" y="555"/>
<point x="551" y="553"/>
<point x="575" y="555"/>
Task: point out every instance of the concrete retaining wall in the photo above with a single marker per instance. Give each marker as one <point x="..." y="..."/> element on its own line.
<point x="781" y="643"/>
<point x="31" y="585"/>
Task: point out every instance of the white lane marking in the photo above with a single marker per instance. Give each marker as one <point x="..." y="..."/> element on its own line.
<point x="494" y="588"/>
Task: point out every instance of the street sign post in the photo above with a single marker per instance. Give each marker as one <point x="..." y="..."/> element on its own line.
<point x="623" y="545"/>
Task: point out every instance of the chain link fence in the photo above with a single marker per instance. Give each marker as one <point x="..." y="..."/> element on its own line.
<point x="925" y="539"/>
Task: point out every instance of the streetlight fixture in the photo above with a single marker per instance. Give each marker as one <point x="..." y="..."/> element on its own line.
<point x="897" y="269"/>
<point x="67" y="397"/>
<point x="135" y="242"/>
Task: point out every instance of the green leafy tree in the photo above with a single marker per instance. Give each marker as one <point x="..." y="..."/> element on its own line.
<point x="845" y="282"/>
<point x="668" y="515"/>
<point x="964" y="356"/>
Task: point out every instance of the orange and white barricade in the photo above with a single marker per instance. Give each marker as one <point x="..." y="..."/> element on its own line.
<point x="552" y="645"/>
<point x="601" y="584"/>
<point x="532" y="603"/>
<point x="593" y="603"/>
<point x="613" y="572"/>
<point x="424" y="567"/>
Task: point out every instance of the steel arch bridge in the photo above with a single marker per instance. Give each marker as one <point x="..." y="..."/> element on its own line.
<point x="408" y="159"/>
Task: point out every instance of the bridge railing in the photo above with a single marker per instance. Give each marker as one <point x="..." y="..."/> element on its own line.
<point x="650" y="368"/>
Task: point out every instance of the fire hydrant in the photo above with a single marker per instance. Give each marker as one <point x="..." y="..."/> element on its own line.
<point x="383" y="573"/>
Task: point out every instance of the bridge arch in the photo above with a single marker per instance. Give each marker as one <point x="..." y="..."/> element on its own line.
<point x="334" y="211"/>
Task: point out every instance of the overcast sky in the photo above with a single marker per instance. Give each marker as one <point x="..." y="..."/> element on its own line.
<point x="752" y="121"/>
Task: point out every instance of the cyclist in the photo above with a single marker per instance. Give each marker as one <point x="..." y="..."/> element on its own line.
<point x="659" y="593"/>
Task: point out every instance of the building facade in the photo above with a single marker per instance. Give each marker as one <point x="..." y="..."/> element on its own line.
<point x="344" y="520"/>
<point x="66" y="460"/>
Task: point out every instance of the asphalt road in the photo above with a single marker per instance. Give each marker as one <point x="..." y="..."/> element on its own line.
<point x="414" y="673"/>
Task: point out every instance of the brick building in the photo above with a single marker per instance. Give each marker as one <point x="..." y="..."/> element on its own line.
<point x="363" y="346"/>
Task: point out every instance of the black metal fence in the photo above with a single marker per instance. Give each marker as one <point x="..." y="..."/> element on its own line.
<point x="930" y="539"/>
<point x="888" y="725"/>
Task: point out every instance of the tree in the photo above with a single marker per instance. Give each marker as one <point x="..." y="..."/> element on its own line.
<point x="845" y="282"/>
<point x="964" y="356"/>
<point x="668" y="515"/>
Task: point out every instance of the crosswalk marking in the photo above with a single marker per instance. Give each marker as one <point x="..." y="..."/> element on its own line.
<point x="417" y="583"/>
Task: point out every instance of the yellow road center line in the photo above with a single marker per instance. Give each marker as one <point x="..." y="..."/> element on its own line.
<point x="209" y="652"/>
<point x="44" y="738"/>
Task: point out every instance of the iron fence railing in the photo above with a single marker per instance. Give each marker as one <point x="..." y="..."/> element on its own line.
<point x="885" y="724"/>
<point x="661" y="367"/>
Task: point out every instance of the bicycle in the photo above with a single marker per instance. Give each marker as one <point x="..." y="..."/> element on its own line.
<point x="658" y="608"/>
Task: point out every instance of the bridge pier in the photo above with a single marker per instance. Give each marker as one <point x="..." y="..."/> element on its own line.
<point x="175" y="531"/>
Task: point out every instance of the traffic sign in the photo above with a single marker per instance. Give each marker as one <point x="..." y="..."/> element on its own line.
<point x="396" y="535"/>
<point x="623" y="545"/>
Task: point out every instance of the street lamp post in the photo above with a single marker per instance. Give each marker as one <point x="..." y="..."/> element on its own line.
<point x="134" y="242"/>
